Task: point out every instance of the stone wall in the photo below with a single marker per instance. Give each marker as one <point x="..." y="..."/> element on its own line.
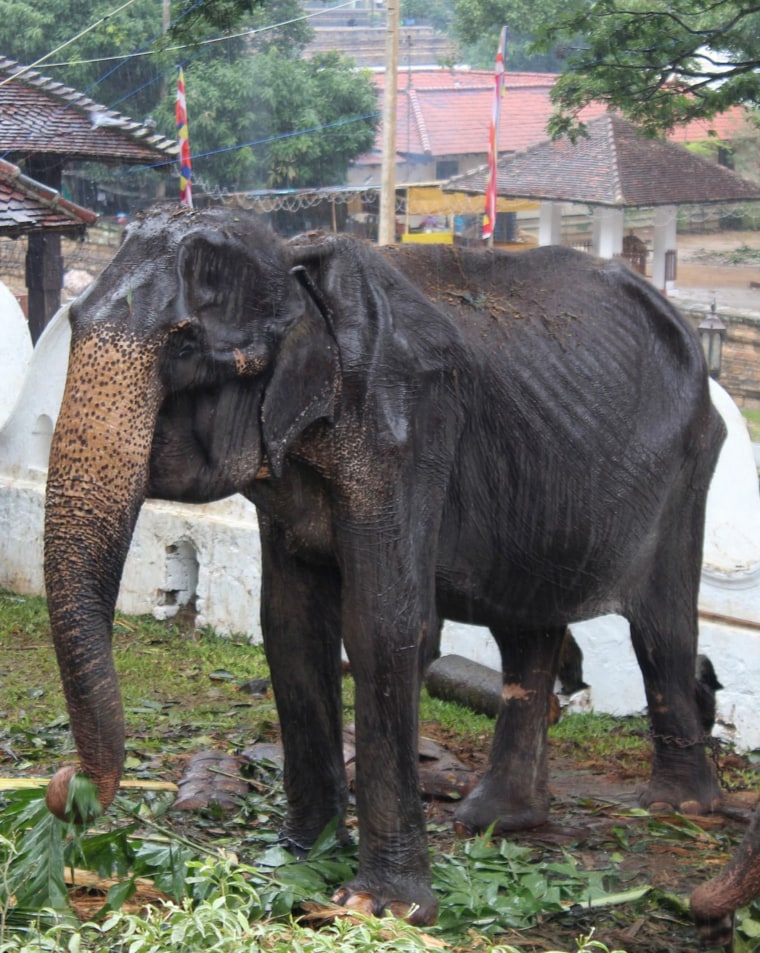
<point x="740" y="373"/>
<point x="740" y="367"/>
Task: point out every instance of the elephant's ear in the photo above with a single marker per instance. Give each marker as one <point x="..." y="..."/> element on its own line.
<point x="305" y="380"/>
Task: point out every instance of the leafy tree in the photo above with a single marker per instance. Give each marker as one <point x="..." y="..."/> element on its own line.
<point x="262" y="103"/>
<point x="661" y="62"/>
<point x="477" y="23"/>
<point x="438" y="13"/>
<point x="251" y="88"/>
<point x="30" y="30"/>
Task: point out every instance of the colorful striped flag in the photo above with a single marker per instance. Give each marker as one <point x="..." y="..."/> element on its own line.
<point x="185" y="162"/>
<point x="489" y="218"/>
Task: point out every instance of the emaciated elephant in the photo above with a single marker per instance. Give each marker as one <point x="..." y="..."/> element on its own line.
<point x="517" y="441"/>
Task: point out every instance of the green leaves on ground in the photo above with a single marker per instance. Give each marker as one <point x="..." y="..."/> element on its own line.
<point x="490" y="885"/>
<point x="495" y="884"/>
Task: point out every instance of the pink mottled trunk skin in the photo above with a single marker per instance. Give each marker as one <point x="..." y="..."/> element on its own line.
<point x="96" y="485"/>
<point x="713" y="903"/>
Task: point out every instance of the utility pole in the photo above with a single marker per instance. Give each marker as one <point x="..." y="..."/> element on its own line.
<point x="386" y="233"/>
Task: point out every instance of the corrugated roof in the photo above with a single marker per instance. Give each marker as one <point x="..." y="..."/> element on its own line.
<point x="29" y="206"/>
<point x="41" y="116"/>
<point x="615" y="165"/>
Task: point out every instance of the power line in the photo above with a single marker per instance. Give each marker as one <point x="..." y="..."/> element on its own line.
<point x="265" y="140"/>
<point x="190" y="46"/>
<point x="63" y="46"/>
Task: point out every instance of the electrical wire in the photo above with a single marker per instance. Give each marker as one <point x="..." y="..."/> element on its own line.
<point x="260" y="142"/>
<point x="42" y="59"/>
<point x="190" y="46"/>
<point x="142" y="52"/>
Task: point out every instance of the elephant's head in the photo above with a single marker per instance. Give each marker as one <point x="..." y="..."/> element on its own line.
<point x="196" y="358"/>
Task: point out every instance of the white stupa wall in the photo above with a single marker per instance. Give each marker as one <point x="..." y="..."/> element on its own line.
<point x="210" y="553"/>
<point x="217" y="543"/>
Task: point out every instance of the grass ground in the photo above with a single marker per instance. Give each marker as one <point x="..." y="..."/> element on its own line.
<point x="752" y="416"/>
<point x="601" y="868"/>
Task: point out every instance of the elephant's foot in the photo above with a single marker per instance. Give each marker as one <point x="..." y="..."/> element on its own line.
<point x="403" y="899"/>
<point x="487" y="806"/>
<point x="668" y="795"/>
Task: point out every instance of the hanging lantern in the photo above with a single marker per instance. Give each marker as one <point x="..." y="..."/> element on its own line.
<point x="711" y="333"/>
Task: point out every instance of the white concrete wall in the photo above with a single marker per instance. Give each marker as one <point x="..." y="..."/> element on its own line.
<point x="212" y="552"/>
<point x="15" y="351"/>
<point x="224" y="535"/>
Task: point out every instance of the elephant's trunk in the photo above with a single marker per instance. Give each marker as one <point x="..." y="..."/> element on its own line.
<point x="96" y="484"/>
<point x="713" y="903"/>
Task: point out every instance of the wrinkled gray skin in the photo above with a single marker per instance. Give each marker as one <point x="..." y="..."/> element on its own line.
<point x="714" y="903"/>
<point x="518" y="441"/>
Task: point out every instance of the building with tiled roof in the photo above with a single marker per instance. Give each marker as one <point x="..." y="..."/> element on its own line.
<point x="45" y="125"/>
<point x="28" y="206"/>
<point x="444" y="115"/>
<point x="614" y="165"/>
<point x="443" y="119"/>
<point x="41" y="117"/>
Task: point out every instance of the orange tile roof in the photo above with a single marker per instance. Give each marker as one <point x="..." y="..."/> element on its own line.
<point x="447" y="112"/>
<point x="731" y="124"/>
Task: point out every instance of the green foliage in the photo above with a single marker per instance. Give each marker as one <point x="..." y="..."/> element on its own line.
<point x="438" y="13"/>
<point x="274" y="120"/>
<point x="219" y="901"/>
<point x="747" y="932"/>
<point x="477" y="24"/>
<point x="752" y="416"/>
<point x="661" y="62"/>
<point x="493" y="884"/>
<point x="259" y="114"/>
<point x="496" y="884"/>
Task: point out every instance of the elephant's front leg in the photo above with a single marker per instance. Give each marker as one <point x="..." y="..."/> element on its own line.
<point x="388" y="609"/>
<point x="300" y="613"/>
<point x="514" y="793"/>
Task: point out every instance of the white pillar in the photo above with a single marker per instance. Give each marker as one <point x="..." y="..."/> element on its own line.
<point x="665" y="225"/>
<point x="608" y="231"/>
<point x="550" y="223"/>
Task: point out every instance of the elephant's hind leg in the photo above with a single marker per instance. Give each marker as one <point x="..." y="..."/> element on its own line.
<point x="682" y="776"/>
<point x="664" y="632"/>
<point x="514" y="793"/>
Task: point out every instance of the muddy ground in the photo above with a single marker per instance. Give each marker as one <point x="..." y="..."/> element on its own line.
<point x="595" y="817"/>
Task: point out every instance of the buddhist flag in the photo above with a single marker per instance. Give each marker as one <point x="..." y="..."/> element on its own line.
<point x="185" y="162"/>
<point x="489" y="219"/>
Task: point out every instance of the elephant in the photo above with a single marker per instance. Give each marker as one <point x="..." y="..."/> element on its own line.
<point x="516" y="440"/>
<point x="714" y="902"/>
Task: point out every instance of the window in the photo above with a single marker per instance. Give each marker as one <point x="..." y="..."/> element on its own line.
<point x="445" y="168"/>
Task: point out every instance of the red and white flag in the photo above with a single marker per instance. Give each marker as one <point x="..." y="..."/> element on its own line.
<point x="489" y="218"/>
<point x="185" y="161"/>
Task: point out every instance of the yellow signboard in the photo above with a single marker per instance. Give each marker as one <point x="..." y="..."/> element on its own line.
<point x="432" y="200"/>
